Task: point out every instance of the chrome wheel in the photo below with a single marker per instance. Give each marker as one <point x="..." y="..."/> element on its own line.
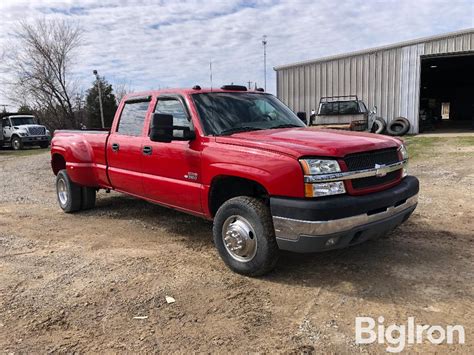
<point x="239" y="238"/>
<point x="62" y="192"/>
<point x="16" y="144"/>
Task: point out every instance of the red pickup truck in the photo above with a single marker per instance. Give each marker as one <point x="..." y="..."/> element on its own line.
<point x="244" y="160"/>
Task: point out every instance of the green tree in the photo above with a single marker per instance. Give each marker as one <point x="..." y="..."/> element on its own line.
<point x="109" y="104"/>
<point x="25" y="109"/>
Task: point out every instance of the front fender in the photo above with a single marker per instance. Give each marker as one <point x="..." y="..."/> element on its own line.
<point x="280" y="177"/>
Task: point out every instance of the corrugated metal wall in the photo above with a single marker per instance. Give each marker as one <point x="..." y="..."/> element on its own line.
<point x="388" y="78"/>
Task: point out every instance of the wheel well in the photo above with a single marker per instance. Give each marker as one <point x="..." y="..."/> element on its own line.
<point x="226" y="187"/>
<point x="58" y="163"/>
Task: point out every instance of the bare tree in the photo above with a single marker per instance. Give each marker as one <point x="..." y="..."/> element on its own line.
<point x="121" y="89"/>
<point x="40" y="63"/>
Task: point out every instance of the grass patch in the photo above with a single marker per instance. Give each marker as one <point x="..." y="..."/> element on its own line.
<point x="419" y="146"/>
<point x="465" y="141"/>
<point x="22" y="153"/>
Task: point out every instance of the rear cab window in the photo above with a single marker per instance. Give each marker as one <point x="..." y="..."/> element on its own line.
<point x="339" y="108"/>
<point x="133" y="117"/>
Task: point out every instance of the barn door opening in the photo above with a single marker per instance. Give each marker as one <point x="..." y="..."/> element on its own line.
<point x="447" y="93"/>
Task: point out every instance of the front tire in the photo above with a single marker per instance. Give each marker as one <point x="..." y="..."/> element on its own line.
<point x="69" y="194"/>
<point x="17" y="144"/>
<point x="44" y="145"/>
<point x="244" y="236"/>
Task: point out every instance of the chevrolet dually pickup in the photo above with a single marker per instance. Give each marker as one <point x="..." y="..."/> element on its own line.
<point x="245" y="161"/>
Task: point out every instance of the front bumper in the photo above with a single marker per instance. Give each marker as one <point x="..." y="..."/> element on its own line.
<point x="303" y="225"/>
<point x="34" y="139"/>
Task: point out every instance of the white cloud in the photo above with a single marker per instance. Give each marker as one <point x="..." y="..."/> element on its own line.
<point x="153" y="44"/>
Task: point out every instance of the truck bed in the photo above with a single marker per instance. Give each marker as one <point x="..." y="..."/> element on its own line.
<point x="85" y="155"/>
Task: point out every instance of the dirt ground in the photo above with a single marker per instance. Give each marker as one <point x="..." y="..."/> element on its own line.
<point x="76" y="283"/>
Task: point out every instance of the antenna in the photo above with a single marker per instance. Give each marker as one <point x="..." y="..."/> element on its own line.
<point x="210" y="72"/>
<point x="264" y="42"/>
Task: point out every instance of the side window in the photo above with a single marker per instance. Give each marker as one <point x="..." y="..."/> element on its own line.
<point x="263" y="108"/>
<point x="132" y="118"/>
<point x="6" y="122"/>
<point x="329" y="108"/>
<point x="175" y="108"/>
<point x="363" y="108"/>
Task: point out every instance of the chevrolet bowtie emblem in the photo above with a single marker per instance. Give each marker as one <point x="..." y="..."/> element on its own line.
<point x="379" y="171"/>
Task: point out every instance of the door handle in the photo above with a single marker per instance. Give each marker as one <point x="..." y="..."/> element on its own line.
<point x="147" y="150"/>
<point x="115" y="147"/>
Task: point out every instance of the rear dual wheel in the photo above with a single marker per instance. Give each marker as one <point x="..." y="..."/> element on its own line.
<point x="72" y="197"/>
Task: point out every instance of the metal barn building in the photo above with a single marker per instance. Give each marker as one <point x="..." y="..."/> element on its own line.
<point x="402" y="79"/>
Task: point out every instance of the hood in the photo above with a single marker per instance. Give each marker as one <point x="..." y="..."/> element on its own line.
<point x="310" y="141"/>
<point x="28" y="126"/>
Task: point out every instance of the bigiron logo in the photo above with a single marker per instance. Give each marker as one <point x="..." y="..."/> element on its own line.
<point x="397" y="336"/>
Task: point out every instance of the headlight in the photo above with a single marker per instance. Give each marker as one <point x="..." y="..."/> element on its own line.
<point x="403" y="152"/>
<point x="319" y="166"/>
<point x="48" y="133"/>
<point x="23" y="133"/>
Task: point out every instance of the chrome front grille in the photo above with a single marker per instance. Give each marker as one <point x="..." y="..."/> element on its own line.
<point x="37" y="131"/>
<point x="367" y="160"/>
<point x="371" y="160"/>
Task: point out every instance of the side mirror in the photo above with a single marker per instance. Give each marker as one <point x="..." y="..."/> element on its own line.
<point x="162" y="130"/>
<point x="302" y="116"/>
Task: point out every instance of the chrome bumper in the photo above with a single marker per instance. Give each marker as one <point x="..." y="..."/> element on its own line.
<point x="293" y="229"/>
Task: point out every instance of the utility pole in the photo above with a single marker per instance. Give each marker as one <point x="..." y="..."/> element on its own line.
<point x="250" y="84"/>
<point x="264" y="42"/>
<point x="100" y="97"/>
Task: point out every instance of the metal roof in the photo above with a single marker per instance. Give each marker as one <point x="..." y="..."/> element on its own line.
<point x="376" y="49"/>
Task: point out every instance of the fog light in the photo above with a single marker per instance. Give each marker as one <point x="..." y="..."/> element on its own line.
<point x="332" y="241"/>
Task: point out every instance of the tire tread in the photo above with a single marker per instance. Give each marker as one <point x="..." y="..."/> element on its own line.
<point x="263" y="214"/>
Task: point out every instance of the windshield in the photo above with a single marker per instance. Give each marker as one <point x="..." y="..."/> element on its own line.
<point x="18" y="121"/>
<point x="226" y="113"/>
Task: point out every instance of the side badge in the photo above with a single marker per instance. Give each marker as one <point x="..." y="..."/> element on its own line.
<point x="191" y="176"/>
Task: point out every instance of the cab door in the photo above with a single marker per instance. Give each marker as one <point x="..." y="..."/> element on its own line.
<point x="124" y="147"/>
<point x="6" y="129"/>
<point x="172" y="171"/>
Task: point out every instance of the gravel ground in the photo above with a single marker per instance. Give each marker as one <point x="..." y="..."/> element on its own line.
<point x="96" y="281"/>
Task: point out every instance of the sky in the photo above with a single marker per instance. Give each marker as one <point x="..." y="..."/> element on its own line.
<point x="156" y="44"/>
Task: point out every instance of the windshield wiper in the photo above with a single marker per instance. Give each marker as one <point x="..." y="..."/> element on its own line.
<point x="286" y="125"/>
<point x="237" y="130"/>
